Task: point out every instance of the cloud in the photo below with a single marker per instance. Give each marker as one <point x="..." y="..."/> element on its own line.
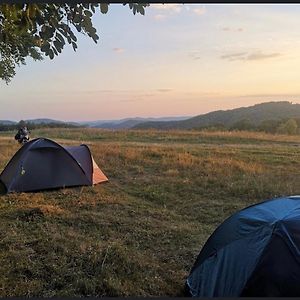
<point x="137" y="97"/>
<point x="239" y="29"/>
<point x="164" y="90"/>
<point x="195" y="55"/>
<point x="260" y="56"/>
<point x="235" y="56"/>
<point x="199" y="11"/>
<point x="118" y="50"/>
<point x="246" y="56"/>
<point x="160" y="17"/>
<point x="171" y="7"/>
<point x="282" y="96"/>
<point x="203" y="94"/>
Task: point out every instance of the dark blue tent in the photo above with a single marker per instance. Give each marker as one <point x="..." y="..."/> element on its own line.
<point x="255" y="252"/>
<point x="43" y="164"/>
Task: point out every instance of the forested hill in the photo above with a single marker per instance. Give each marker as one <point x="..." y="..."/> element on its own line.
<point x="252" y="115"/>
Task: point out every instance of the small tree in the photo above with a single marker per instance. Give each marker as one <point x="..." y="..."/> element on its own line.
<point x="244" y="124"/>
<point x="288" y="127"/>
<point x="269" y="126"/>
<point x="21" y="124"/>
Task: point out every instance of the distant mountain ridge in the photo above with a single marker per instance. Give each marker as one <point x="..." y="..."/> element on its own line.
<point x="7" y="122"/>
<point x="128" y="122"/>
<point x="50" y="121"/>
<point x="43" y="121"/>
<point x="255" y="114"/>
<point x="35" y="121"/>
<point x="109" y="124"/>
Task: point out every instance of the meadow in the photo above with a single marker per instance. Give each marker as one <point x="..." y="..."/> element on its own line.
<point x="140" y="233"/>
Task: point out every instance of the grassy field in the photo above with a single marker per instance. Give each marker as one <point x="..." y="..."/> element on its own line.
<point x="138" y="234"/>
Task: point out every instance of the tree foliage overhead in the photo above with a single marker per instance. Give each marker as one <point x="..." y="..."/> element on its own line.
<point x="38" y="30"/>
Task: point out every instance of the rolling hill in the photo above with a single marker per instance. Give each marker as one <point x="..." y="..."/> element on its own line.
<point x="128" y="122"/>
<point x="43" y="121"/>
<point x="255" y="114"/>
<point x="7" y="122"/>
<point x="50" y="121"/>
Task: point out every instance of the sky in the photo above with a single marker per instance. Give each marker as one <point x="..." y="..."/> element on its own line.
<point x="176" y="60"/>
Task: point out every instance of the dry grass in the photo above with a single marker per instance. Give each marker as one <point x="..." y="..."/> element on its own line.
<point x="139" y="234"/>
<point x="88" y="135"/>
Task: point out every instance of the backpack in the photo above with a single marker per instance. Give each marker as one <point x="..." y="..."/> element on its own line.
<point x="17" y="136"/>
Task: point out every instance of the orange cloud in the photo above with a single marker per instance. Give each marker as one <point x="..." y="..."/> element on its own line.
<point x="118" y="50"/>
<point x="199" y="11"/>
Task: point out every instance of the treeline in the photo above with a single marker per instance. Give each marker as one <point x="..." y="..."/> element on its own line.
<point x="285" y="126"/>
<point x="32" y="126"/>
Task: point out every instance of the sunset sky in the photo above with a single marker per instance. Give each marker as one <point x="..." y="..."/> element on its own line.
<point x="177" y="60"/>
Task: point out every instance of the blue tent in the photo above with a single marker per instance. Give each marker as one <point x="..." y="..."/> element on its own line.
<point x="43" y="164"/>
<point x="255" y="252"/>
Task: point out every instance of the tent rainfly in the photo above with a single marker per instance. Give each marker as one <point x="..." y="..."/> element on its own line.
<point x="43" y="164"/>
<point x="254" y="253"/>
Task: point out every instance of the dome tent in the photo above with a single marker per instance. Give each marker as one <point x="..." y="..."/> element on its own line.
<point x="255" y="252"/>
<point x="43" y="164"/>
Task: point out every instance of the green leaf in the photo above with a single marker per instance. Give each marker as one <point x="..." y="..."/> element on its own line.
<point x="88" y="13"/>
<point x="87" y="24"/>
<point x="58" y="45"/>
<point x="63" y="32"/>
<point x="73" y="37"/>
<point x="77" y="18"/>
<point x="78" y="27"/>
<point x="74" y="45"/>
<point x="45" y="47"/>
<point x="55" y="52"/>
<point x="51" y="54"/>
<point x="95" y="38"/>
<point x="141" y="10"/>
<point x="60" y="38"/>
<point x="59" y="50"/>
<point x="46" y="32"/>
<point x="104" y="8"/>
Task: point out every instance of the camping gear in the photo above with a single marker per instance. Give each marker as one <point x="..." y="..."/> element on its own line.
<point x="43" y="164"/>
<point x="22" y="139"/>
<point x="253" y="253"/>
